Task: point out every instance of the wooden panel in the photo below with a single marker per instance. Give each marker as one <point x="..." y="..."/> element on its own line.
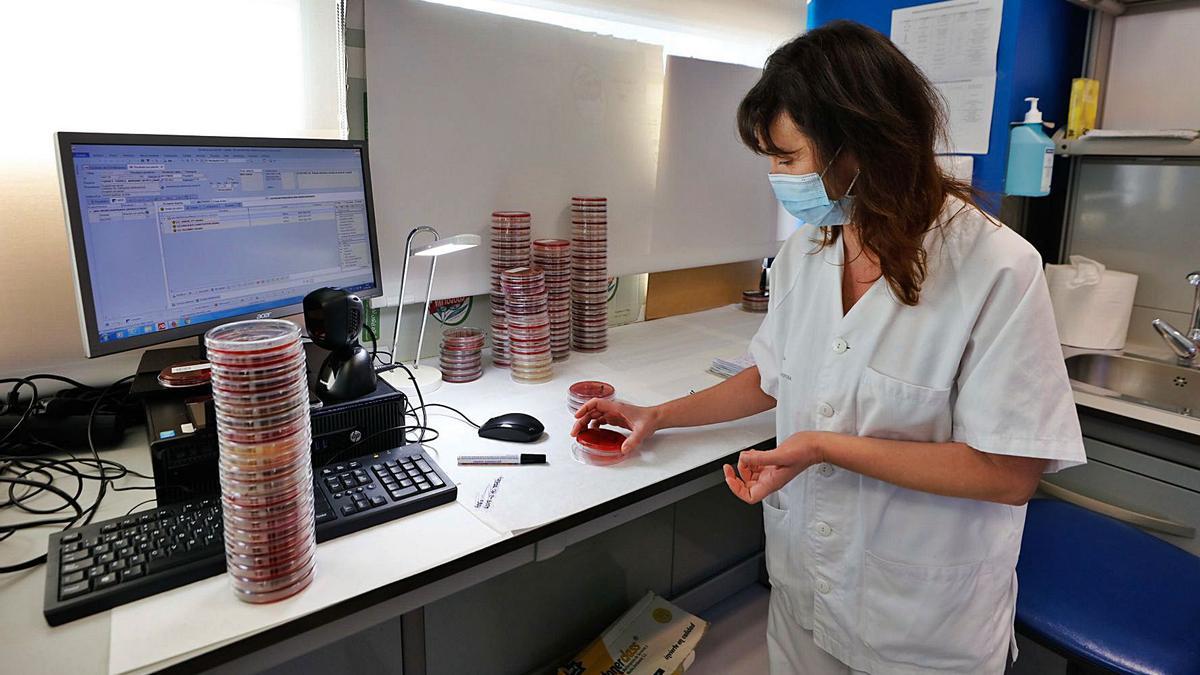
<point x="700" y="288"/>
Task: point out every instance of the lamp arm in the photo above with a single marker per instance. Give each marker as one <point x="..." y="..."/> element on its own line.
<point x="403" y="280"/>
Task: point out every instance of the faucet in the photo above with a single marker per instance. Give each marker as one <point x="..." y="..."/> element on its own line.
<point x="1185" y="346"/>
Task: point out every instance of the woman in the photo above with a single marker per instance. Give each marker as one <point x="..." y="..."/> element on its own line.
<point x="911" y="354"/>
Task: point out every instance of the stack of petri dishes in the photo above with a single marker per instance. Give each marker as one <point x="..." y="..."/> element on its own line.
<point x="510" y="248"/>
<point x="462" y="360"/>
<point x="582" y="392"/>
<point x="754" y="301"/>
<point x="589" y="274"/>
<point x="598" y="446"/>
<point x="528" y="324"/>
<point x="553" y="256"/>
<point x="260" y="392"/>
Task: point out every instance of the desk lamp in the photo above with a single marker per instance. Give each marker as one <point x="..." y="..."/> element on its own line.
<point x="428" y="378"/>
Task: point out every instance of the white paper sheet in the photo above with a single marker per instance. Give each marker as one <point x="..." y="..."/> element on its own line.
<point x="961" y="167"/>
<point x="955" y="43"/>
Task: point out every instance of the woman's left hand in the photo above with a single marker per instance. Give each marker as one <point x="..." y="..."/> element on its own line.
<point x="761" y="472"/>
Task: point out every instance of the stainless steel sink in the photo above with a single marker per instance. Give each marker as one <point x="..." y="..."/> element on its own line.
<point x="1158" y="384"/>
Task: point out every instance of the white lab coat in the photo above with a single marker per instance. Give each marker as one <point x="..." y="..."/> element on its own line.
<point x="891" y="580"/>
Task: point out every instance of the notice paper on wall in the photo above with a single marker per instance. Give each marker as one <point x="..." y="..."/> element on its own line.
<point x="955" y="43"/>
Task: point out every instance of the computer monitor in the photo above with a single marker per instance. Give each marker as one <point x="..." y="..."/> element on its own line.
<point x="172" y="235"/>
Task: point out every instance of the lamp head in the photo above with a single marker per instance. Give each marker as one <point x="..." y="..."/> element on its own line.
<point x="453" y="244"/>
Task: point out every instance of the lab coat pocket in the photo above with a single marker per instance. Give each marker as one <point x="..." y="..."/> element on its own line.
<point x="894" y="409"/>
<point x="780" y="565"/>
<point x="937" y="618"/>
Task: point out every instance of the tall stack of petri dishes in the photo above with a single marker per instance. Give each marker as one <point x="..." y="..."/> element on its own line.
<point x="528" y="324"/>
<point x="510" y="248"/>
<point x="589" y="274"/>
<point x="461" y="360"/>
<point x="554" y="257"/>
<point x="260" y="392"/>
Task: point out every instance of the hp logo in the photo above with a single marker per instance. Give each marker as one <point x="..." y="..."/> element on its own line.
<point x="355" y="436"/>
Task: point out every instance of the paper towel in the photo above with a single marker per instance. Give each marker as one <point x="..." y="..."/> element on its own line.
<point x="1091" y="304"/>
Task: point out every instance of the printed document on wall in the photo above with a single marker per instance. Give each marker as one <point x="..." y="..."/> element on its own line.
<point x="955" y="43"/>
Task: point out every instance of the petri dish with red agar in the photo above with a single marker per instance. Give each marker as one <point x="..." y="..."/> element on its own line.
<point x="582" y="392"/>
<point x="598" y="446"/>
<point x="261" y="402"/>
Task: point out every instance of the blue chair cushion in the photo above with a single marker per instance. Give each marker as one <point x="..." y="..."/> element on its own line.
<point x="1103" y="592"/>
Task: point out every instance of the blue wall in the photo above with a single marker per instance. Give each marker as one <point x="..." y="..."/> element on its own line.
<point x="1041" y="49"/>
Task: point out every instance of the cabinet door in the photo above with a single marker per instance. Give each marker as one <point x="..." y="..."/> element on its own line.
<point x="1153" y="501"/>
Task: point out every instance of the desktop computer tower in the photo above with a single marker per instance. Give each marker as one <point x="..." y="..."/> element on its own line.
<point x="184" y="454"/>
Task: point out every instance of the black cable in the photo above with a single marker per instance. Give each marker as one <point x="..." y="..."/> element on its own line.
<point x="455" y="410"/>
<point x="13" y="400"/>
<point x="135" y="506"/>
<point x="374" y="340"/>
<point x="107" y="471"/>
<point x="420" y="398"/>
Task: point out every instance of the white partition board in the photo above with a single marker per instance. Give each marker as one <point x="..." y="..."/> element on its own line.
<point x="714" y="203"/>
<point x="470" y="112"/>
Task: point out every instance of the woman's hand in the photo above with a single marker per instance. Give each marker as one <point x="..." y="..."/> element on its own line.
<point x="761" y="472"/>
<point x="641" y="422"/>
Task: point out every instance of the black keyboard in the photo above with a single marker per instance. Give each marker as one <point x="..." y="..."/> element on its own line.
<point x="108" y="563"/>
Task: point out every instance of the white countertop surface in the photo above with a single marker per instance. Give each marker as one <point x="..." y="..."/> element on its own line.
<point x="646" y="362"/>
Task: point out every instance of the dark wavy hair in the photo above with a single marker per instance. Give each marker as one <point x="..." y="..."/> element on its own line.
<point x="847" y="86"/>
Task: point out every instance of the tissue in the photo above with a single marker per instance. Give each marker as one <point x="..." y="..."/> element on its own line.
<point x="1092" y="304"/>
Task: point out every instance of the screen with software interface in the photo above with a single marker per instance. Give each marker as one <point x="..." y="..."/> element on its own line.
<point x="178" y="235"/>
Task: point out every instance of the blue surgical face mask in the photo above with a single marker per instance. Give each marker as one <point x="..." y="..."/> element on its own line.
<point x="805" y="198"/>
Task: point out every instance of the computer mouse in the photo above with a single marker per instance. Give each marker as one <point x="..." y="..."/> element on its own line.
<point x="514" y="427"/>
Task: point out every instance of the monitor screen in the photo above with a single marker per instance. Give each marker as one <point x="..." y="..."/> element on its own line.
<point x="173" y="235"/>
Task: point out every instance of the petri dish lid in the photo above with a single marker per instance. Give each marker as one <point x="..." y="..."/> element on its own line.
<point x="255" y="335"/>
<point x="185" y="374"/>
<point x="601" y="440"/>
<point x="589" y="389"/>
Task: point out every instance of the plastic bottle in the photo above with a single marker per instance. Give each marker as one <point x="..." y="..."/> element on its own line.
<point x="1030" y="157"/>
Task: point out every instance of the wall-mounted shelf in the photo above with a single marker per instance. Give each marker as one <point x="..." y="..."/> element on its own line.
<point x="1124" y="147"/>
<point x="1119" y="7"/>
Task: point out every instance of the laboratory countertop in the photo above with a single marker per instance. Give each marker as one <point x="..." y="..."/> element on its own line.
<point x="500" y="511"/>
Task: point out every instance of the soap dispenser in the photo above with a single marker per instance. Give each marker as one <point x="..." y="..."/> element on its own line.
<point x="1030" y="156"/>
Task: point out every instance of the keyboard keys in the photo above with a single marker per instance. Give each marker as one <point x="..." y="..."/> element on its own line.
<point x="137" y="559"/>
<point x="111" y="527"/>
<point x="105" y="558"/>
<point x="117" y="566"/>
<point x="424" y="466"/>
<point x="71" y="590"/>
<point x="76" y="566"/>
<point x="106" y="580"/>
<point x="403" y="493"/>
<point x="70" y="548"/>
<point x="423" y="485"/>
<point x="378" y="501"/>
<point x="349" y="510"/>
<point x="74" y="578"/>
<point x="436" y="480"/>
<point x="70" y="537"/>
<point x="75" y="557"/>
<point x="133" y="572"/>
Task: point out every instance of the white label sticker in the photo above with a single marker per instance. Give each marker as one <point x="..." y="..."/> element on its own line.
<point x="188" y="369"/>
<point x="1047" y="168"/>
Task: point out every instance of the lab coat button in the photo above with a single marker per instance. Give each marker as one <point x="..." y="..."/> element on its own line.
<point x="823" y="529"/>
<point x="825" y="469"/>
<point x="825" y="410"/>
<point x="823" y="586"/>
<point x="840" y="345"/>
